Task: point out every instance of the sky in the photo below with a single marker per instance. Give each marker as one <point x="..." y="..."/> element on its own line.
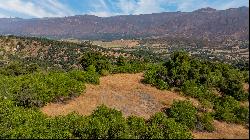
<point x="106" y="8"/>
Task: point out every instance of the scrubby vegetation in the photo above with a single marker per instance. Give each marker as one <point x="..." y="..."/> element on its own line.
<point x="103" y="123"/>
<point x="36" y="89"/>
<point x="27" y="85"/>
<point x="107" y="64"/>
<point x="201" y="79"/>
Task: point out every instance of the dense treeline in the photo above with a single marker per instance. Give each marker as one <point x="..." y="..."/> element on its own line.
<point x="201" y="79"/>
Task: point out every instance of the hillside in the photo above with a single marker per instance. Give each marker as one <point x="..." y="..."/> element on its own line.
<point x="49" y="53"/>
<point x="65" y="90"/>
<point x="203" y="23"/>
<point x="126" y="93"/>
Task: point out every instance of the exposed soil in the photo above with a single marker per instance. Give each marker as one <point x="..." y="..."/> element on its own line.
<point x="246" y="87"/>
<point x="126" y="93"/>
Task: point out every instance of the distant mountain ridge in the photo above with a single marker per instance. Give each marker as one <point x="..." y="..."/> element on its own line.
<point x="205" y="23"/>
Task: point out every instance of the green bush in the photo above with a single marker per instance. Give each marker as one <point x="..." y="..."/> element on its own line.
<point x="226" y="109"/>
<point x="103" y="123"/>
<point x="242" y="114"/>
<point x="156" y="76"/>
<point x="196" y="78"/>
<point x="18" y="122"/>
<point x="205" y="122"/>
<point x="131" y="66"/>
<point x="96" y="59"/>
<point x="137" y="127"/>
<point x="161" y="127"/>
<point x="233" y="85"/>
<point x="246" y="76"/>
<point x="183" y="112"/>
<point x="190" y="88"/>
<point x="40" y="88"/>
<point x="89" y="76"/>
<point x="16" y="68"/>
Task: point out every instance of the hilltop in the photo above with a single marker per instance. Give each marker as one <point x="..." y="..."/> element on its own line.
<point x="206" y="23"/>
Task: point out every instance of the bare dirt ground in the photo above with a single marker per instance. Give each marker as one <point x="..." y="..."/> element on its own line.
<point x="126" y="93"/>
<point x="246" y="87"/>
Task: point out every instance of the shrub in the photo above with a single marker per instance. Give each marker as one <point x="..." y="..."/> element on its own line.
<point x="103" y="123"/>
<point x="204" y="122"/>
<point x="106" y="123"/>
<point x="242" y="114"/>
<point x="233" y="85"/>
<point x="89" y="76"/>
<point x="137" y="127"/>
<point x="161" y="127"/>
<point x="96" y="59"/>
<point x="190" y="88"/>
<point x="225" y="109"/>
<point x="156" y="76"/>
<point x="184" y="112"/>
<point x="16" y="68"/>
<point x="246" y="76"/>
<point x="40" y="88"/>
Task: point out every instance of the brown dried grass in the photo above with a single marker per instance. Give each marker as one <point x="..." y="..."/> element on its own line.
<point x="224" y="131"/>
<point x="123" y="92"/>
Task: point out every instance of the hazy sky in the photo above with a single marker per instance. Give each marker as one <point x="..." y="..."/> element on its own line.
<point x="104" y="8"/>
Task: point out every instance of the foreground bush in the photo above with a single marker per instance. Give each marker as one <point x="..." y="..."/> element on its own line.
<point x="184" y="112"/>
<point x="161" y="127"/>
<point x="205" y="122"/>
<point x="228" y="109"/>
<point x="103" y="123"/>
<point x="39" y="88"/>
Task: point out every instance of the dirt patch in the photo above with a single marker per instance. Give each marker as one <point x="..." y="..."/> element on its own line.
<point x="224" y="131"/>
<point x="246" y="87"/>
<point x="123" y="92"/>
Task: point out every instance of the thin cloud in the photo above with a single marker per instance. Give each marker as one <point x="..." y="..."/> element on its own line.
<point x="127" y="6"/>
<point x="45" y="8"/>
<point x="106" y="8"/>
<point x="149" y="6"/>
<point x="100" y="9"/>
<point x="56" y="7"/>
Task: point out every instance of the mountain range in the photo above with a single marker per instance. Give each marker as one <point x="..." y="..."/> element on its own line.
<point x="205" y="23"/>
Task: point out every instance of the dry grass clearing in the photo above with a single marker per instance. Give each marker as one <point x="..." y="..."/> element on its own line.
<point x="126" y="93"/>
<point x="123" y="92"/>
<point x="224" y="131"/>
